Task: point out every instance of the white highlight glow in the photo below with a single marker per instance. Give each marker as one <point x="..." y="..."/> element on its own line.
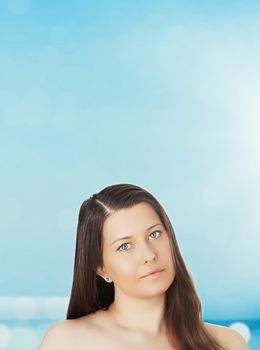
<point x="33" y="308"/>
<point x="241" y="328"/>
<point x="5" y="336"/>
<point x="55" y="308"/>
<point x="24" y="308"/>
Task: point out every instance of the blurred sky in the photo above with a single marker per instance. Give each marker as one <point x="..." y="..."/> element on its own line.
<point x="162" y="94"/>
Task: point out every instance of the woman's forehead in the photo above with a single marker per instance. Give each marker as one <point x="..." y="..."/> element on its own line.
<point x="130" y="221"/>
<point x="139" y="214"/>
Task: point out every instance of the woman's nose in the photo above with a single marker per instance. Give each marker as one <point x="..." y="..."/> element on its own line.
<point x="147" y="252"/>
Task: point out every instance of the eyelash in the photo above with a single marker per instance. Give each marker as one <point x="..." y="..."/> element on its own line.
<point x="128" y="242"/>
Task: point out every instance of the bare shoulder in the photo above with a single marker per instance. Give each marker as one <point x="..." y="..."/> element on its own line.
<point x="58" y="336"/>
<point x="63" y="334"/>
<point x="229" y="338"/>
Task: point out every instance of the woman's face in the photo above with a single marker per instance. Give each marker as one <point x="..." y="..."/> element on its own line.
<point x="127" y="260"/>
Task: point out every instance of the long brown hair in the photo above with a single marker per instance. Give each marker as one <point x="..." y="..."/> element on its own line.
<point x="90" y="293"/>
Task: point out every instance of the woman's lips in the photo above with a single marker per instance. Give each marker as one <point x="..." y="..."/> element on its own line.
<point x="154" y="273"/>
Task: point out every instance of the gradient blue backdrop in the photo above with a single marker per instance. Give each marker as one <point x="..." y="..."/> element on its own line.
<point x="164" y="95"/>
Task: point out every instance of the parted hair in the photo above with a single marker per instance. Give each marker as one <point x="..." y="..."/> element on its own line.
<point x="90" y="293"/>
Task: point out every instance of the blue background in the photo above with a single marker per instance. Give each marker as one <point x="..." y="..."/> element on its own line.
<point x="164" y="95"/>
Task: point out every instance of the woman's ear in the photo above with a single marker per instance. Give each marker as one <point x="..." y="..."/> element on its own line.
<point x="101" y="272"/>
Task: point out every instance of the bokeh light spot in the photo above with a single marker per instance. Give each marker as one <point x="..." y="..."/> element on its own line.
<point x="23" y="338"/>
<point x="5" y="336"/>
<point x="24" y="308"/>
<point x="241" y="328"/>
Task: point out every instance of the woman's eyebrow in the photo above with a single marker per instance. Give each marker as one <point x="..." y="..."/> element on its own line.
<point x="127" y="237"/>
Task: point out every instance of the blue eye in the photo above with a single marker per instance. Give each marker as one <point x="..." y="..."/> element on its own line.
<point x="125" y="250"/>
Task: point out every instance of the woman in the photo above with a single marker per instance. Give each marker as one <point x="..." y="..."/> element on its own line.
<point x="123" y="235"/>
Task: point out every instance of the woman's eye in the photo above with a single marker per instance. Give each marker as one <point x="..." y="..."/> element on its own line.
<point x="157" y="231"/>
<point x="124" y="244"/>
